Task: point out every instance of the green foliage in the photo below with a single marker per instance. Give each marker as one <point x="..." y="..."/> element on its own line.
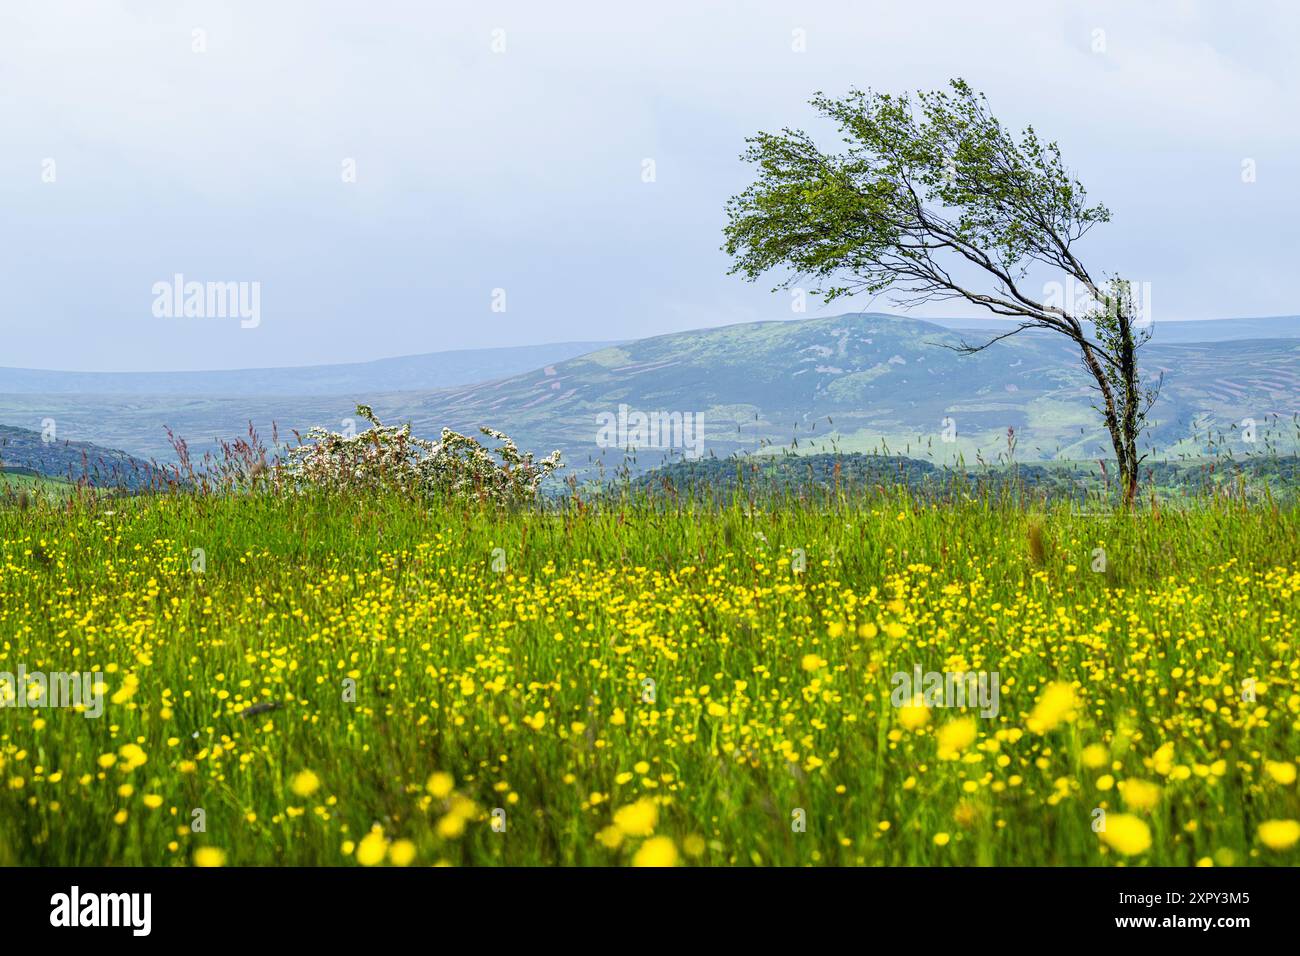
<point x="938" y="174"/>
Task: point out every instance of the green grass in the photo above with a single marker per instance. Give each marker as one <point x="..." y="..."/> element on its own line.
<point x="18" y="489"/>
<point x="771" y="691"/>
<point x="15" y="481"/>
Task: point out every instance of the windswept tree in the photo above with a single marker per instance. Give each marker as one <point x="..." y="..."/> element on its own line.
<point x="933" y="200"/>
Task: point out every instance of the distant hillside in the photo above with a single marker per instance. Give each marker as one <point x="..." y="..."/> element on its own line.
<point x="1177" y="332"/>
<point x="430" y="371"/>
<point x="25" y="454"/>
<point x="862" y="382"/>
<point x="873" y="383"/>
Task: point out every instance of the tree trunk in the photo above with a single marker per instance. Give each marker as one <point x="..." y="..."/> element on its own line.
<point x="1131" y="482"/>
<point x="1132" y="398"/>
<point x="1122" y="425"/>
<point x="1125" y="445"/>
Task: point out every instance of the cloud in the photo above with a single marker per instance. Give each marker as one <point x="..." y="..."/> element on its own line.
<point x="479" y="169"/>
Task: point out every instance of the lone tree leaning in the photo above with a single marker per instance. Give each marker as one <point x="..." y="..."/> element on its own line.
<point x="927" y="188"/>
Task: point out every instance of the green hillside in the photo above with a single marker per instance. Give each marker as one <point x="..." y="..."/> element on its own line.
<point x="862" y="382"/>
<point x="875" y="383"/>
<point x="15" y="481"/>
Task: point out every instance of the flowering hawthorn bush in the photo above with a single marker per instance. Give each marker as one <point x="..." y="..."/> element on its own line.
<point x="386" y="457"/>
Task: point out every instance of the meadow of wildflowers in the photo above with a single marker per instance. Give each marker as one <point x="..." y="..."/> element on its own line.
<point x="325" y="680"/>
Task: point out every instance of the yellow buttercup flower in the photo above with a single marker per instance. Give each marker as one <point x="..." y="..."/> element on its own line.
<point x="1056" y="705"/>
<point x="811" y="662"/>
<point x="1093" y="756"/>
<point x="439" y="784"/>
<point x="401" y="853"/>
<point x="132" y="756"/>
<point x="656" y="851"/>
<point x="637" y="819"/>
<point x="209" y="856"/>
<point x="915" y="715"/>
<point x="451" y="826"/>
<point x="305" y="783"/>
<point x="955" y="736"/>
<point x="130" y="685"/>
<point x="1139" y="794"/>
<point x="1279" y="834"/>
<point x="1283" y="773"/>
<point x="371" y="849"/>
<point x="1126" y="833"/>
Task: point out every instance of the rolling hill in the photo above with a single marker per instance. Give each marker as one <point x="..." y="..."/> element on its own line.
<point x="872" y="382"/>
<point x="430" y="370"/>
<point x="1182" y="332"/>
<point x="858" y="382"/>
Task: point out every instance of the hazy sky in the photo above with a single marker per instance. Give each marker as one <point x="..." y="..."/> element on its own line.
<point x="478" y="169"/>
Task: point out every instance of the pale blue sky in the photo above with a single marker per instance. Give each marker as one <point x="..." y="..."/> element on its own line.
<point x="522" y="169"/>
